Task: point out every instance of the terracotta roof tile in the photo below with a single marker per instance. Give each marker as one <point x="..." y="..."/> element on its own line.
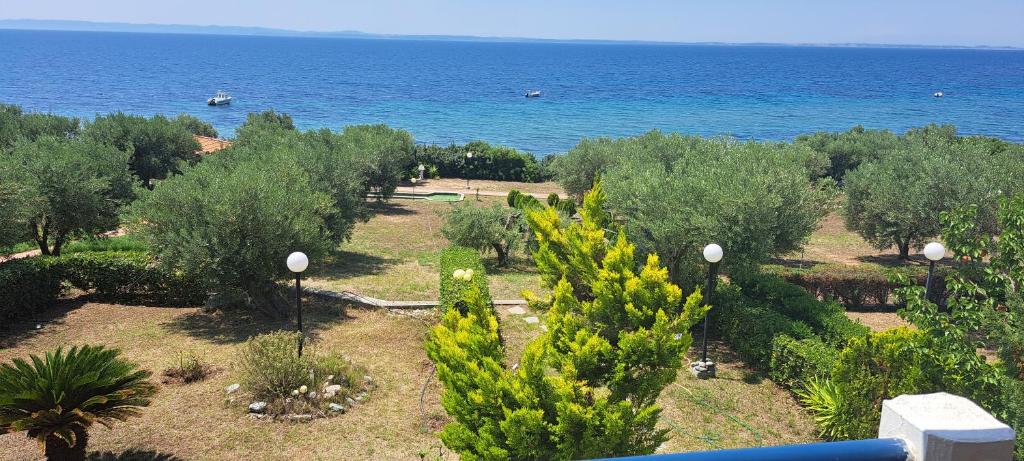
<point x="208" y="145"/>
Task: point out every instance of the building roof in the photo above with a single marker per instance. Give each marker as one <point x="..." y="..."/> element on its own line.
<point x="208" y="145"/>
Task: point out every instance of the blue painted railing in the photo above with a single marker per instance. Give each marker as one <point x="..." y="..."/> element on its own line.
<point x="854" y="450"/>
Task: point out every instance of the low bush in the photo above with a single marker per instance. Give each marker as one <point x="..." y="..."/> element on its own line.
<point x="119" y="243"/>
<point x="794" y="363"/>
<point x="488" y="162"/>
<point x="28" y="286"/>
<point x="188" y="368"/>
<point x="460" y="258"/>
<point x="750" y="327"/>
<point x="861" y="287"/>
<point x="272" y="371"/>
<point x="826" y="318"/>
<point x="129" y="277"/>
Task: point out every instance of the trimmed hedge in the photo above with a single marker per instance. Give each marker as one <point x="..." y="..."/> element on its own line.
<point x="863" y="287"/>
<point x="827" y="318"/>
<point x="452" y="259"/>
<point x="794" y="361"/>
<point x="129" y="277"/>
<point x="30" y="285"/>
<point x="27" y="286"/>
<point x="750" y="327"/>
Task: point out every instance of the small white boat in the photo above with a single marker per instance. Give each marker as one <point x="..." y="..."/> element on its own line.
<point x="938" y="94"/>
<point x="220" y="99"/>
<point x="533" y="94"/>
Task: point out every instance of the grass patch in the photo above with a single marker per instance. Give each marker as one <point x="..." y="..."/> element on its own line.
<point x="97" y="244"/>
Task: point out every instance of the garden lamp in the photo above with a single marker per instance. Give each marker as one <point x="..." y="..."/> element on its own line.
<point x="298" y="262"/>
<point x="421" y="170"/>
<point x="469" y="156"/>
<point x="712" y="254"/>
<point x="934" y="251"/>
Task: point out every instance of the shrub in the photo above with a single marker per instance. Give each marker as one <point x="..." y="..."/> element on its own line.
<point x="798" y="362"/>
<point x="270" y="366"/>
<point x="126" y="243"/>
<point x="455" y="258"/>
<point x="272" y="371"/>
<point x="27" y="286"/>
<point x="158" y="145"/>
<point x="827" y="319"/>
<point x="58" y="397"/>
<point x="750" y="327"/>
<point x="874" y="368"/>
<point x="488" y="162"/>
<point x="586" y="389"/>
<point x="493" y="228"/>
<point x="130" y="277"/>
<point x="189" y="368"/>
<point x="860" y="287"/>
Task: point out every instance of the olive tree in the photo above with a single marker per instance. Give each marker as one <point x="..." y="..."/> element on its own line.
<point x="159" y="146"/>
<point x="15" y="124"/>
<point x="677" y="194"/>
<point x="896" y="200"/>
<point x="266" y="123"/>
<point x="233" y="221"/>
<point x="847" y="150"/>
<point x="14" y="214"/>
<point x="493" y="228"/>
<point x="65" y="188"/>
<point x="195" y="126"/>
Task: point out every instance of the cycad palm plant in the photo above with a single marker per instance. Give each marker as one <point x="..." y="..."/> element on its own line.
<point x="58" y="397"/>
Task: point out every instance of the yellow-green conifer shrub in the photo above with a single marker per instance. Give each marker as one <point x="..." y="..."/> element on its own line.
<point x="617" y="334"/>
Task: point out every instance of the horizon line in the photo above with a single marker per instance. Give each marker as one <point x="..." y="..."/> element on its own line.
<point x="68" y="25"/>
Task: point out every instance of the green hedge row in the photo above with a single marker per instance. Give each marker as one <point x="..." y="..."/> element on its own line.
<point x="827" y="318"/>
<point x="455" y="258"/>
<point x="30" y="285"/>
<point x="488" y="162"/>
<point x="863" y="287"/>
<point x="780" y="328"/>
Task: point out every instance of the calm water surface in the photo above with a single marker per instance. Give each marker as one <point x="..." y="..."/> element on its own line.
<point x="458" y="91"/>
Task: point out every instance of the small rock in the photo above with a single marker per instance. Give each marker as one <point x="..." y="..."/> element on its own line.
<point x="257" y="416"/>
<point x="257" y="407"/>
<point x="350" y="401"/>
<point x="336" y="407"/>
<point x="367" y="378"/>
<point x="39" y="326"/>
<point x="332" y="390"/>
<point x="330" y="378"/>
<point x="531" y="319"/>
<point x="232" y="388"/>
<point x="517" y="310"/>
<point x="312" y="395"/>
<point x="300" y="417"/>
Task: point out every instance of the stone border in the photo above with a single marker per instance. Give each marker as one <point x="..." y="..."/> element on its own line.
<point x="374" y="302"/>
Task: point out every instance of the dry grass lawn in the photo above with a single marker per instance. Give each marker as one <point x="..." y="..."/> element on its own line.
<point x="194" y="422"/>
<point x="459" y="185"/>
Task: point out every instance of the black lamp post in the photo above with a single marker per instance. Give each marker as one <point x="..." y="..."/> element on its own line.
<point x="298" y="262"/>
<point x="934" y="252"/>
<point x="469" y="156"/>
<point x="712" y="254"/>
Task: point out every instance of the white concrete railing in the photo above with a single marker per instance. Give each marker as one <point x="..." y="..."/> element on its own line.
<point x="946" y="427"/>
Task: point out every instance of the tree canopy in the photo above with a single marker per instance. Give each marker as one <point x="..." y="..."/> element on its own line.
<point x="158" y="146"/>
<point x="66" y="188"/>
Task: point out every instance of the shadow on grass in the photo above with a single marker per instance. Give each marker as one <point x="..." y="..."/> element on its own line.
<point x="20" y="330"/>
<point x="515" y="265"/>
<point x="344" y="264"/>
<point x="892" y="260"/>
<point x="795" y="263"/>
<point x="234" y="326"/>
<point x="389" y="209"/>
<point x="132" y="455"/>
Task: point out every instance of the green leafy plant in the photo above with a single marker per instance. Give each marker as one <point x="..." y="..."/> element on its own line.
<point x="58" y="397"/>
<point x="189" y="368"/>
<point x="588" y="387"/>
<point x="828" y="403"/>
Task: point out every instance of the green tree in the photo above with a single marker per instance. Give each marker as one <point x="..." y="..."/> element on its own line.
<point x="382" y="154"/>
<point x="14" y="214"/>
<point x="587" y="388"/>
<point x="679" y="193"/>
<point x="485" y="229"/>
<point x="233" y="221"/>
<point x="579" y="169"/>
<point x="266" y="123"/>
<point x="897" y="199"/>
<point x="195" y="125"/>
<point x="58" y="397"/>
<point x="847" y="150"/>
<point x="15" y="124"/>
<point x="159" y="147"/>
<point x="67" y="188"/>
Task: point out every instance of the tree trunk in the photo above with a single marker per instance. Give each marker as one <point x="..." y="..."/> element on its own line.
<point x="41" y="234"/>
<point x="58" y="243"/>
<point x="502" y="254"/>
<point x="904" y="247"/>
<point x="267" y="299"/>
<point x="57" y="449"/>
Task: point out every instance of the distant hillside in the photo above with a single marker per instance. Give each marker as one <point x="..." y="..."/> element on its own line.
<point x="90" y="26"/>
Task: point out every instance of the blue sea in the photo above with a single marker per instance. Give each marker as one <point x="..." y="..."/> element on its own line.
<point x="456" y="91"/>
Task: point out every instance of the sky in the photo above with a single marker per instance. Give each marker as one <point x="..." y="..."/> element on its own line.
<point x="920" y="22"/>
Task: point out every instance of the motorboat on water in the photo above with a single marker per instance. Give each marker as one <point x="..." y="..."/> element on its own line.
<point x="220" y="99"/>
<point x="532" y="94"/>
<point x="938" y="94"/>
